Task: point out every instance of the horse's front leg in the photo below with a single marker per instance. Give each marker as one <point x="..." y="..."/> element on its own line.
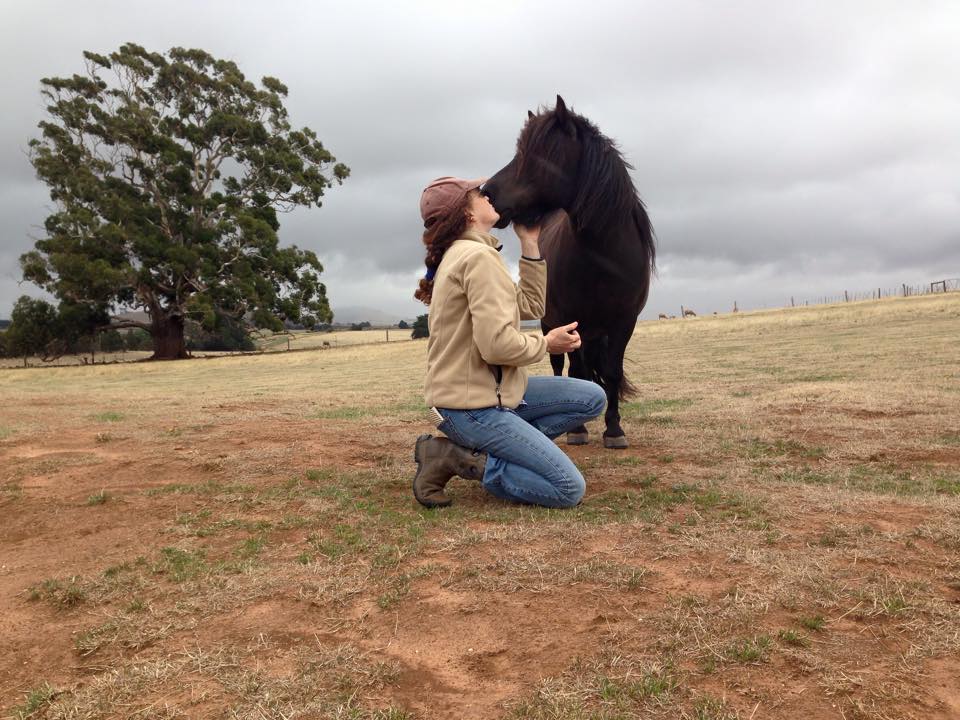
<point x="578" y="435"/>
<point x="556" y="361"/>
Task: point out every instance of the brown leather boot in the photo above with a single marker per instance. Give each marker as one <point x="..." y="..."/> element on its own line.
<point x="438" y="460"/>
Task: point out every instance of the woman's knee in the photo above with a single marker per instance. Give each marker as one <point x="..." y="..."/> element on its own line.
<point x="574" y="491"/>
<point x="598" y="400"/>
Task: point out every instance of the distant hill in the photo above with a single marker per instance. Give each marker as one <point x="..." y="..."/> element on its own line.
<point x="355" y="314"/>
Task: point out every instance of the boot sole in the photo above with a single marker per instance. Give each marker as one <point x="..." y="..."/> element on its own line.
<point x="416" y="458"/>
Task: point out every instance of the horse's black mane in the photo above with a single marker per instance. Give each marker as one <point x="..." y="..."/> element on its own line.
<point x="605" y="190"/>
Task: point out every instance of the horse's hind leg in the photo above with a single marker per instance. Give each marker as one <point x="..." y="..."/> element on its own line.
<point x="611" y="370"/>
<point x="578" y="435"/>
<point x="556" y="362"/>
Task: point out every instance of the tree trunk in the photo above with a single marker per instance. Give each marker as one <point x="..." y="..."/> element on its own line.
<point x="168" y="342"/>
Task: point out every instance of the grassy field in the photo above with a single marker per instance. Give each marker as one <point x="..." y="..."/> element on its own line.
<point x="236" y="537"/>
<point x="267" y="342"/>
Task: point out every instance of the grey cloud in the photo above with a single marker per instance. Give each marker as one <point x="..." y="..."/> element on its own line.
<point x="781" y="150"/>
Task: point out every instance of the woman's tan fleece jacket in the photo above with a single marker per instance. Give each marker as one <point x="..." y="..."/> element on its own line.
<point x="474" y="323"/>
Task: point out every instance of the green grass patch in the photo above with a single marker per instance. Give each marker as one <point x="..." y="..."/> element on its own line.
<point x="733" y="506"/>
<point x="757" y="448"/>
<point x="98" y="498"/>
<point x="34" y="701"/>
<point x="882" y="479"/>
<point x="211" y="487"/>
<point x="6" y="432"/>
<point x="710" y="708"/>
<point x="749" y="650"/>
<point x="59" y="593"/>
<point x="180" y="565"/>
<point x="611" y="687"/>
<point x="342" y="540"/>
<point x="652" y="411"/>
<point x="251" y="547"/>
<point x="834" y="537"/>
<point x="340" y="413"/>
<point x="624" y="692"/>
<point x="644" y="482"/>
<point x="647" y="504"/>
<point x="792" y="637"/>
<point x="109" y="416"/>
<point x="397" y="586"/>
<point x="814" y="622"/>
<point x="115" y="571"/>
<point x="814" y="377"/>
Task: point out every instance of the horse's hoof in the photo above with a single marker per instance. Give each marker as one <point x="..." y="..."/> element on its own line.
<point x="575" y="438"/>
<point x="615" y="443"/>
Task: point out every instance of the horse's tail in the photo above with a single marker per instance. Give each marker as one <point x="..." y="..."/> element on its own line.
<point x="596" y="359"/>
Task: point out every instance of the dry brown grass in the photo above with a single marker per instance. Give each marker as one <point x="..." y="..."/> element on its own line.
<point x="781" y="539"/>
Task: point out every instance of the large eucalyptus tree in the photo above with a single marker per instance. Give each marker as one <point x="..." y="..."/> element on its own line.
<point x="167" y="173"/>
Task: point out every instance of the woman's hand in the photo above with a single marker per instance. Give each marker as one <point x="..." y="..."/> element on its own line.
<point x="529" y="239"/>
<point x="563" y="339"/>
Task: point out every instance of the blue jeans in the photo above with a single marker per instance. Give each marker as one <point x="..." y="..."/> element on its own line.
<point x="523" y="463"/>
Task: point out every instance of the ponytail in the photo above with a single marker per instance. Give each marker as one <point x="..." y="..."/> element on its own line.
<point x="438" y="235"/>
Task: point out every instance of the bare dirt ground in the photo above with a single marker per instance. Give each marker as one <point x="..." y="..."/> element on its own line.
<point x="236" y="538"/>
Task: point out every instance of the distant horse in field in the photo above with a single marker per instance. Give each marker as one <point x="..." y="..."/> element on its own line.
<point x="597" y="241"/>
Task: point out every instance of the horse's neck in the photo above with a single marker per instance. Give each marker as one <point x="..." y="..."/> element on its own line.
<point x="606" y="238"/>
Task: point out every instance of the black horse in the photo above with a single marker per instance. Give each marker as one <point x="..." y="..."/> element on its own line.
<point x="596" y="238"/>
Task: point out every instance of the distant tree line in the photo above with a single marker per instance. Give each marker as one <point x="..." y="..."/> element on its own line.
<point x="38" y="329"/>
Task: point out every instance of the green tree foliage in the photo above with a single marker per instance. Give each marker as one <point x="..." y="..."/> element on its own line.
<point x="32" y="327"/>
<point x="138" y="339"/>
<point x="167" y="173"/>
<point x="228" y="335"/>
<point x="403" y="325"/>
<point x="112" y="341"/>
<point x="420" y="328"/>
<point x="38" y="328"/>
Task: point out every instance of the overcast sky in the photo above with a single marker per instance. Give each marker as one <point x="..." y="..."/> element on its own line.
<point x="782" y="149"/>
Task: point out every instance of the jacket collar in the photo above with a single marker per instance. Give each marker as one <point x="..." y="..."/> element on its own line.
<point x="481" y="237"/>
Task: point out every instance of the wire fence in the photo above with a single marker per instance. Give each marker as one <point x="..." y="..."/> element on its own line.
<point x="904" y="290"/>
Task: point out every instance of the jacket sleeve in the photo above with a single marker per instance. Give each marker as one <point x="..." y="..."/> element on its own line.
<point x="492" y="300"/>
<point x="532" y="290"/>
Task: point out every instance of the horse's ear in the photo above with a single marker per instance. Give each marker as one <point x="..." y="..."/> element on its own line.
<point x="529" y="114"/>
<point x="563" y="118"/>
<point x="562" y="113"/>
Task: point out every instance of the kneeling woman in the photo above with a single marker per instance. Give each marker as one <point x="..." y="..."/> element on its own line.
<point x="499" y="422"/>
